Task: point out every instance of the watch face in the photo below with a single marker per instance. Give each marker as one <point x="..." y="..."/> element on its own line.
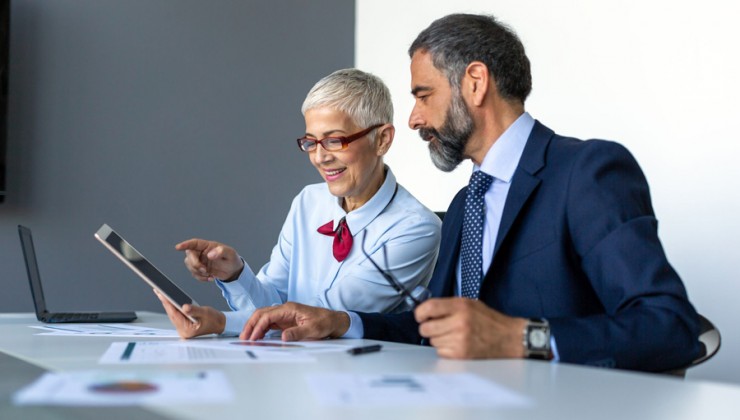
<point x="537" y="339"/>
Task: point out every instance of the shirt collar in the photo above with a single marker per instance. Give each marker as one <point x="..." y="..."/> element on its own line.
<point x="358" y="219"/>
<point x="503" y="157"/>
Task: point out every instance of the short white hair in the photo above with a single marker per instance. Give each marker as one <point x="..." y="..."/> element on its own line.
<point x="360" y="95"/>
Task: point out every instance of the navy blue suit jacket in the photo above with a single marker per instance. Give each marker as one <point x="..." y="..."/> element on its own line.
<point x="577" y="245"/>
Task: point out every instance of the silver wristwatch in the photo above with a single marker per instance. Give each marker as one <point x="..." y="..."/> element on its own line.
<point x="536" y="339"/>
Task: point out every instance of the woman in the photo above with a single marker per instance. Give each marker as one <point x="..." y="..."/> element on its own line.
<point x="318" y="259"/>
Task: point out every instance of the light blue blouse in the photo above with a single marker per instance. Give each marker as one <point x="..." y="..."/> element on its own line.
<point x="302" y="268"/>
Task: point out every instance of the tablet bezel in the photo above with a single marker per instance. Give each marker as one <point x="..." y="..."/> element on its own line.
<point x="106" y="232"/>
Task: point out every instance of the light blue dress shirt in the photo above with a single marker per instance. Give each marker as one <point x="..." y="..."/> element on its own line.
<point x="501" y="162"/>
<point x="303" y="269"/>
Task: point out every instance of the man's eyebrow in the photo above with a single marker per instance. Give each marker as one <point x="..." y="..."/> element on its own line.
<point x="415" y="91"/>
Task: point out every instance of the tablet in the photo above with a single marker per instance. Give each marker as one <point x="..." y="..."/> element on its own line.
<point x="141" y="266"/>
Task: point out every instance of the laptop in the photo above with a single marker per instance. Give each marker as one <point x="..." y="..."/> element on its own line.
<point x="34" y="278"/>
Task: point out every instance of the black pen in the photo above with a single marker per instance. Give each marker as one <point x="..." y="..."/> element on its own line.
<point x="365" y="349"/>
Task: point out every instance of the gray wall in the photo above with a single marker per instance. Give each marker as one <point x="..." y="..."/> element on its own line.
<point x="164" y="119"/>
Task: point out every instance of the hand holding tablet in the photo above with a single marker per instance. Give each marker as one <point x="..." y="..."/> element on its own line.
<point x="146" y="270"/>
<point x="209" y="320"/>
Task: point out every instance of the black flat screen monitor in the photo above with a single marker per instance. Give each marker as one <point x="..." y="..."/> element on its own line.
<point x="4" y="47"/>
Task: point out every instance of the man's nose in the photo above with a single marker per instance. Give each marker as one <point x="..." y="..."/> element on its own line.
<point x="415" y="119"/>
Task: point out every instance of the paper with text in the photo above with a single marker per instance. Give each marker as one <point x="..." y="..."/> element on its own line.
<point x="108" y="330"/>
<point x="117" y="388"/>
<point x="409" y="389"/>
<point x="159" y="352"/>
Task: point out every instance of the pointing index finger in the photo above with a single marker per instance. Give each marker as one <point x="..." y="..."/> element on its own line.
<point x="193" y="244"/>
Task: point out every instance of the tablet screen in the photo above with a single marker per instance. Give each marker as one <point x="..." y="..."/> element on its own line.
<point x="141" y="265"/>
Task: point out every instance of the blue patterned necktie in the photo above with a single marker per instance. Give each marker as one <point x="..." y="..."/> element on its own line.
<point x="471" y="260"/>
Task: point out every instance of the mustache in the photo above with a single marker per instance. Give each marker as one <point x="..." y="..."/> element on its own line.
<point x="426" y="133"/>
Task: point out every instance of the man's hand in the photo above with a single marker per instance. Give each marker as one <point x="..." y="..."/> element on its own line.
<point x="298" y="322"/>
<point x="210" y="321"/>
<point x="208" y="260"/>
<point x="461" y="328"/>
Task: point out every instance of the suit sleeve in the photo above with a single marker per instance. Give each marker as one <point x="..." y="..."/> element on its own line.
<point x="648" y="322"/>
<point x="400" y="327"/>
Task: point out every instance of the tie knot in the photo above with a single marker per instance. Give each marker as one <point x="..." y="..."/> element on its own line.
<point x="479" y="183"/>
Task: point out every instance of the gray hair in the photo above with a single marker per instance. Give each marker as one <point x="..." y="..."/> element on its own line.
<point x="456" y="40"/>
<point x="362" y="96"/>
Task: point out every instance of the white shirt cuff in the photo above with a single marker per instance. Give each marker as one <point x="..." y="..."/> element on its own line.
<point x="554" y="348"/>
<point x="235" y="321"/>
<point x="356" y="329"/>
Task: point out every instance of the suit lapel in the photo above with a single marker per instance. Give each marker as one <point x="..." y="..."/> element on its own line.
<point x="524" y="182"/>
<point x="523" y="185"/>
<point x="444" y="277"/>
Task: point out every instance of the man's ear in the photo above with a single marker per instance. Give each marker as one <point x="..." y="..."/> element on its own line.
<point x="475" y="83"/>
<point x="384" y="139"/>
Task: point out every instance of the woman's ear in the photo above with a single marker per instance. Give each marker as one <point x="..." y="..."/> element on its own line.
<point x="384" y="139"/>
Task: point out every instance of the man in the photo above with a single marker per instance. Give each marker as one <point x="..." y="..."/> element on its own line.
<point x="551" y="251"/>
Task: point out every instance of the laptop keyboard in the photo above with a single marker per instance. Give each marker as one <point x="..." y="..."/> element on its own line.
<point x="73" y="317"/>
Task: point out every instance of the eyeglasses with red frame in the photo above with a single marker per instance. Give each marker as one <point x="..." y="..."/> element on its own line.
<point x="333" y="144"/>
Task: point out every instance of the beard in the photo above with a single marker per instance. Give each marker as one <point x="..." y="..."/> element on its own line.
<point x="447" y="151"/>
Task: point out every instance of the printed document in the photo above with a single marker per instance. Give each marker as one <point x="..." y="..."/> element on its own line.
<point x="195" y="351"/>
<point x="409" y="389"/>
<point x="117" y="388"/>
<point x="109" y="330"/>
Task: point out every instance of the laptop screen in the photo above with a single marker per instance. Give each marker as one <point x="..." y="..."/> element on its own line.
<point x="32" y="268"/>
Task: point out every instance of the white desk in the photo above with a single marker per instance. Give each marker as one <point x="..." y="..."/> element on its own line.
<point x="560" y="391"/>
